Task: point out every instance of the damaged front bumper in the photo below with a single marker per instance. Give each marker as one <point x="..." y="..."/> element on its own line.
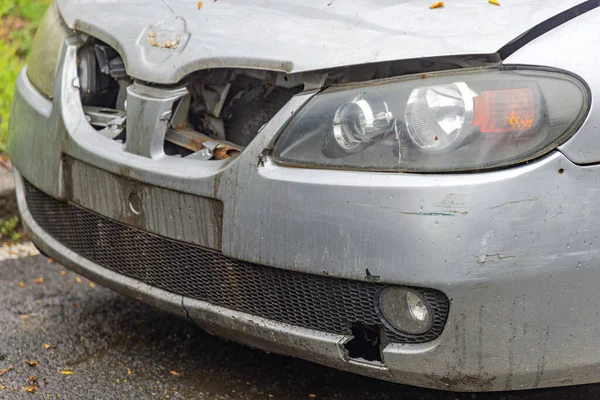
<point x="513" y="250"/>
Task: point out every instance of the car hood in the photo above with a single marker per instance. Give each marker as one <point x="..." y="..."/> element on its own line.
<point x="297" y="35"/>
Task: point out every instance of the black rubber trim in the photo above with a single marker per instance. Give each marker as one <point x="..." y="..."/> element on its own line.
<point x="547" y="26"/>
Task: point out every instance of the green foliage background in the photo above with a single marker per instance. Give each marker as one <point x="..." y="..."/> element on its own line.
<point x="18" y="21"/>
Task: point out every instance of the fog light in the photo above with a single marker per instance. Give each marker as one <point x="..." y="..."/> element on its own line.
<point x="405" y="310"/>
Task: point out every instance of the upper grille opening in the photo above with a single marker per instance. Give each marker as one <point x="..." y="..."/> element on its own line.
<point x="103" y="88"/>
<point x="226" y="111"/>
<point x="222" y="114"/>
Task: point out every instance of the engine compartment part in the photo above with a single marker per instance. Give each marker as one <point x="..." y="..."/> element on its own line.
<point x="201" y="147"/>
<point x="102" y="77"/>
<point x="233" y="105"/>
<point x="109" y="122"/>
<point x="221" y="113"/>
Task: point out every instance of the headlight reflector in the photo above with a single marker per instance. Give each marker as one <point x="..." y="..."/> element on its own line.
<point x="439" y="117"/>
<point x="456" y="121"/>
<point x="357" y="123"/>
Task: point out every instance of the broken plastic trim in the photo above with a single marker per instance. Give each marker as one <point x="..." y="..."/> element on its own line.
<point x="547" y="26"/>
<point x="365" y="344"/>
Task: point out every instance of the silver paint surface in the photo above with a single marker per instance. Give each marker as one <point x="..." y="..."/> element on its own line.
<point x="296" y="35"/>
<point x="574" y="47"/>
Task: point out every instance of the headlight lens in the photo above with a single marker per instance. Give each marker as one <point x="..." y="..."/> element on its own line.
<point x="42" y="64"/>
<point x="452" y="122"/>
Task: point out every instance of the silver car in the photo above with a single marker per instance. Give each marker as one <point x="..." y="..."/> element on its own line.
<point x="404" y="192"/>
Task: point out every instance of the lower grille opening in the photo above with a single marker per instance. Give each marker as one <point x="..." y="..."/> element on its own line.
<point x="366" y="343"/>
<point x="311" y="301"/>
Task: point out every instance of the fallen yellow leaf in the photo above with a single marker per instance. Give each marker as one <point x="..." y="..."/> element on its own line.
<point x="92" y="285"/>
<point x="437" y="5"/>
<point x="30" y="389"/>
<point x="24" y="316"/>
<point x="38" y="281"/>
<point x="51" y="261"/>
<point x="22" y="284"/>
<point x="63" y="272"/>
<point x="200" y="5"/>
<point x="175" y="373"/>
<point x="65" y="372"/>
<point x="77" y="279"/>
<point x="128" y="371"/>
<point x="32" y="363"/>
<point x="46" y="346"/>
<point x="494" y="2"/>
<point x="312" y="396"/>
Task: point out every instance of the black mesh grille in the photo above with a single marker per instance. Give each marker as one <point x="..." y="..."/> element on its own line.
<point x="311" y="301"/>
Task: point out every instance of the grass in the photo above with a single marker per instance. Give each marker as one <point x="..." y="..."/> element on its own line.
<point x="10" y="230"/>
<point x="18" y="21"/>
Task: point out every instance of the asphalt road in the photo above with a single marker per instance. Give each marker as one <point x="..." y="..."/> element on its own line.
<point x="102" y="345"/>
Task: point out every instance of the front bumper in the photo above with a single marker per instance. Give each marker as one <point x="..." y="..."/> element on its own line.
<point x="514" y="250"/>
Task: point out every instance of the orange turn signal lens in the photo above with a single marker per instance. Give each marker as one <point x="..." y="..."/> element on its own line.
<point x="506" y="111"/>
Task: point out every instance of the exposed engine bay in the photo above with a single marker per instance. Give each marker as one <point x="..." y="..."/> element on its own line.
<point x="226" y="108"/>
<point x="222" y="114"/>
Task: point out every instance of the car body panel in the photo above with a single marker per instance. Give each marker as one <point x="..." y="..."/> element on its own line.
<point x="296" y="36"/>
<point x="575" y="47"/>
<point x="515" y="250"/>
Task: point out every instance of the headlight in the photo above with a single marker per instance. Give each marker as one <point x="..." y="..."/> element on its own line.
<point x="45" y="52"/>
<point x="463" y="121"/>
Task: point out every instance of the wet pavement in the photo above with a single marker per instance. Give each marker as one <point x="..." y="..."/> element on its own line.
<point x="102" y="345"/>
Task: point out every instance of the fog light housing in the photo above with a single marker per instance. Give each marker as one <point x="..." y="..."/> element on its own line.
<point x="405" y="310"/>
